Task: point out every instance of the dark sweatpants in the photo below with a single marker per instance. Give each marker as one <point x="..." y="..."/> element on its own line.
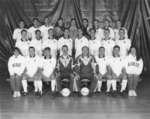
<point x="15" y="83"/>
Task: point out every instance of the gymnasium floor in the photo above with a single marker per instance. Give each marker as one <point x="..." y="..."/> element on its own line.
<point x="103" y="107"/>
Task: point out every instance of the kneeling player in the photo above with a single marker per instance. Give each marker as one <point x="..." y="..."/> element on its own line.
<point x="116" y="72"/>
<point x="32" y="72"/>
<point x="86" y="64"/>
<point x="65" y="71"/>
<point x="48" y="64"/>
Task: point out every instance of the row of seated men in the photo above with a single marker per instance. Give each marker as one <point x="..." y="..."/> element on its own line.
<point x="87" y="71"/>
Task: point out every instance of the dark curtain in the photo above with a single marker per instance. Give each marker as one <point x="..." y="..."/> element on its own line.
<point x="134" y="14"/>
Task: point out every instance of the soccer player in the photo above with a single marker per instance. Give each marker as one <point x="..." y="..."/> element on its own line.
<point x="73" y="29"/>
<point x="17" y="31"/>
<point x="116" y="69"/>
<point x="134" y="67"/>
<point x="66" y="40"/>
<point x="32" y="72"/>
<point x="37" y="43"/>
<point x="51" y="42"/>
<point x="123" y="42"/>
<point x="65" y="69"/>
<point x="86" y="63"/>
<point x="85" y="27"/>
<point x="93" y="43"/>
<point x="44" y="28"/>
<point x="108" y="43"/>
<point x="48" y="64"/>
<point x="32" y="29"/>
<point x="16" y="67"/>
<point x="23" y="43"/>
<point x="80" y="42"/>
<point x="101" y="69"/>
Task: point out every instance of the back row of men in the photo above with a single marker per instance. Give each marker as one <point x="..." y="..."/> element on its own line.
<point x="46" y="35"/>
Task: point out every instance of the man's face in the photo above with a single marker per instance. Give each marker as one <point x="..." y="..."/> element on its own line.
<point x="106" y="23"/>
<point x="85" y="51"/>
<point x="66" y="33"/>
<point x="50" y="33"/>
<point x="46" y="53"/>
<point x="118" y="24"/>
<point x="96" y="24"/>
<point x="65" y="50"/>
<point x="31" y="52"/>
<point x="21" y="24"/>
<point x="121" y="33"/>
<point x="60" y="22"/>
<point x="116" y="51"/>
<point x="106" y="33"/>
<point x="36" y="23"/>
<point x="133" y="51"/>
<point x="38" y="34"/>
<point x="16" y="53"/>
<point x="80" y="33"/>
<point x="85" y="23"/>
<point x="102" y="51"/>
<point x="24" y="34"/>
<point x="92" y="33"/>
<point x="46" y="20"/>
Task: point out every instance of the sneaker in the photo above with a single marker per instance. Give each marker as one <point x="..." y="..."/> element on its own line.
<point x="18" y="94"/>
<point x="130" y="93"/>
<point x="134" y="93"/>
<point x="14" y="94"/>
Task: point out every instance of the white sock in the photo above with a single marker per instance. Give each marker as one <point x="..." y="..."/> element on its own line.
<point x="35" y="85"/>
<point x="99" y="85"/>
<point x="40" y="85"/>
<point x="53" y="85"/>
<point x="114" y="85"/>
<point x="123" y="85"/>
<point x="24" y="85"/>
<point x="108" y="85"/>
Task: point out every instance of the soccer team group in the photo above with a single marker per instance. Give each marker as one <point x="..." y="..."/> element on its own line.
<point x="73" y="60"/>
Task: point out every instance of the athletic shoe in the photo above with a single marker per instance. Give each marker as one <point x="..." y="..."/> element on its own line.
<point x="15" y="95"/>
<point x="130" y="93"/>
<point x="134" y="93"/>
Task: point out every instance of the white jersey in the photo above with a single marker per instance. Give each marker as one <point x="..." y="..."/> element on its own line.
<point x="44" y="29"/>
<point x="116" y="64"/>
<point x="52" y="44"/>
<point x="133" y="66"/>
<point x="48" y="66"/>
<point x="16" y="65"/>
<point x="23" y="46"/>
<point x="108" y="45"/>
<point x="37" y="44"/>
<point x="102" y="64"/>
<point x="79" y="43"/>
<point x="62" y="41"/>
<point x="99" y="34"/>
<point x="17" y="33"/>
<point x="94" y="47"/>
<point x="124" y="45"/>
<point x="32" y="65"/>
<point x="31" y="31"/>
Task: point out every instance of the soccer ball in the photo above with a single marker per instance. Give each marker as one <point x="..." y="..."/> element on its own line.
<point x="65" y="92"/>
<point x="85" y="91"/>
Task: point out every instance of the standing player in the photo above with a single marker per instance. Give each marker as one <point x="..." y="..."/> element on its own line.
<point x="93" y="43"/>
<point x="65" y="69"/>
<point x="134" y="67"/>
<point x="48" y="64"/>
<point x="23" y="43"/>
<point x="86" y="63"/>
<point x="44" y="28"/>
<point x="108" y="43"/>
<point x="32" y="72"/>
<point x="16" y="66"/>
<point x="17" y="31"/>
<point x="37" y="43"/>
<point x="32" y="29"/>
<point x="101" y="70"/>
<point x="123" y="42"/>
<point x="80" y="42"/>
<point x="66" y="40"/>
<point x="116" y="71"/>
<point x="51" y="43"/>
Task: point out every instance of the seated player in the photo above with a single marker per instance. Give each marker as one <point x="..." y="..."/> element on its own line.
<point x="86" y="64"/>
<point x="101" y="69"/>
<point x="134" y="67"/>
<point x="108" y="43"/>
<point x="66" y="40"/>
<point x="51" y="43"/>
<point x="123" y="42"/>
<point x="32" y="72"/>
<point x="23" y="43"/>
<point x="93" y="43"/>
<point x="37" y="43"/>
<point x="116" y="71"/>
<point x="17" y="31"/>
<point x="65" y="69"/>
<point x="16" y="69"/>
<point x="80" y="42"/>
<point x="48" y="64"/>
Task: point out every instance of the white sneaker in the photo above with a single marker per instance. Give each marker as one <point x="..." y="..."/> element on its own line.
<point x="134" y="93"/>
<point x="130" y="93"/>
<point x="15" y="94"/>
<point x="18" y="94"/>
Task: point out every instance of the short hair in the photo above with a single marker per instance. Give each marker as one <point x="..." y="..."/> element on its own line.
<point x="23" y="31"/>
<point x="37" y="31"/>
<point x="18" y="50"/>
<point x="47" y="48"/>
<point x="85" y="47"/>
<point x="65" y="46"/>
<point x="31" y="47"/>
<point x="35" y="19"/>
<point x="92" y="29"/>
<point x="102" y="47"/>
<point x="116" y="46"/>
<point x="85" y="19"/>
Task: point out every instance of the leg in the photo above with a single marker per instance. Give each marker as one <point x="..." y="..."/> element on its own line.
<point x="124" y="83"/>
<point x="24" y="84"/>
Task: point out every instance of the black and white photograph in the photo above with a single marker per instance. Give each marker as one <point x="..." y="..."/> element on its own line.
<point x="74" y="59"/>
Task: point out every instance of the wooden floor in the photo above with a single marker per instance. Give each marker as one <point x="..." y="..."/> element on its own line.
<point x="100" y="107"/>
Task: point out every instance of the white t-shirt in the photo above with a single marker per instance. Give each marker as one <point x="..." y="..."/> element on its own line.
<point x="99" y="34"/>
<point x="62" y="41"/>
<point x="44" y="29"/>
<point x="52" y="44"/>
<point x="79" y="43"/>
<point x="32" y="65"/>
<point x="94" y="47"/>
<point x="48" y="66"/>
<point x="16" y="65"/>
<point x="17" y="33"/>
